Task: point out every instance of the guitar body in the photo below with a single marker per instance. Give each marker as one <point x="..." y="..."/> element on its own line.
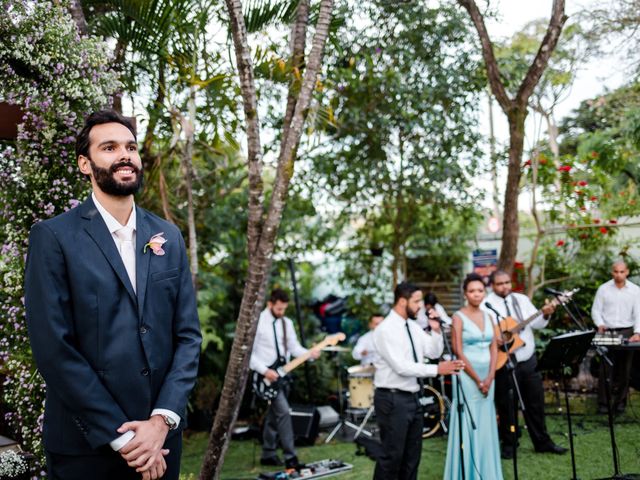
<point x="266" y="390"/>
<point x="507" y="328"/>
<point x="263" y="388"/>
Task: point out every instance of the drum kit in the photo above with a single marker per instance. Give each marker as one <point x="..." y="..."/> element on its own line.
<point x="360" y="391"/>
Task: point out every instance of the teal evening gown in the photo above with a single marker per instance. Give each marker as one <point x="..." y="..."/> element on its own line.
<point x="481" y="446"/>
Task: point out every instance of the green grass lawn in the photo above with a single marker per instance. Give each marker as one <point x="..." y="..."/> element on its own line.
<point x="592" y="445"/>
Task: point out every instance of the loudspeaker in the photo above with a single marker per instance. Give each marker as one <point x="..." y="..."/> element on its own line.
<point x="305" y="419"/>
<point x="328" y="417"/>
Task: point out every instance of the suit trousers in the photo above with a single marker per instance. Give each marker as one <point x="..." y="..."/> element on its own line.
<point x="400" y="419"/>
<point x="530" y="383"/>
<point x="619" y="375"/>
<point x="278" y="426"/>
<point x="107" y="464"/>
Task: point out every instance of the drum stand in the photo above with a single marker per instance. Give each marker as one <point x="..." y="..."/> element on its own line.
<point x="343" y="422"/>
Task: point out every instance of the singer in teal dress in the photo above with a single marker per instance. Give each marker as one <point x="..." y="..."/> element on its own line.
<point x="473" y="341"/>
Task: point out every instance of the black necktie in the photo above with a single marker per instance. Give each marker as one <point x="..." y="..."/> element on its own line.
<point x="415" y="356"/>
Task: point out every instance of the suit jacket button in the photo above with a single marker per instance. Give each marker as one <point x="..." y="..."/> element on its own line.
<point x="143" y="329"/>
<point x="145" y="371"/>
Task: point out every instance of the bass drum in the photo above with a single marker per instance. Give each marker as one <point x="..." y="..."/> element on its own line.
<point x="436" y="412"/>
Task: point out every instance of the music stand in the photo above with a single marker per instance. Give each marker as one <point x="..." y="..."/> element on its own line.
<point x="563" y="351"/>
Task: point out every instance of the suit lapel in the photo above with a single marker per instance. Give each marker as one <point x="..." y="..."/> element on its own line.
<point x="143" y="234"/>
<point x="98" y="231"/>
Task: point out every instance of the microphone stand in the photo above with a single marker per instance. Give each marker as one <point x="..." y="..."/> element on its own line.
<point x="602" y="352"/>
<point x="513" y="414"/>
<point x="462" y="401"/>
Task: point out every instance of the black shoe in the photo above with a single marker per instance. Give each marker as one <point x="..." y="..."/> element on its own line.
<point x="292" y="462"/>
<point x="271" y="462"/>
<point x="552" y="448"/>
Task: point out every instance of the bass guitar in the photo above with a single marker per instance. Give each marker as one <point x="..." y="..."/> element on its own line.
<point x="508" y="329"/>
<point x="266" y="390"/>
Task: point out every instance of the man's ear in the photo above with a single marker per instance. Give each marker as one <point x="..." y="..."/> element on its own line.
<point x="84" y="165"/>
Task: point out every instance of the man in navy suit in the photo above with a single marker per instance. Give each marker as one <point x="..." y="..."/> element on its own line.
<point x="112" y="320"/>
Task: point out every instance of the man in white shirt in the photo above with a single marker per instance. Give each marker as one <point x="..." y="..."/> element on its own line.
<point x="276" y="341"/>
<point x="519" y="307"/>
<point x="365" y="349"/>
<point x="402" y="347"/>
<point x="616" y="309"/>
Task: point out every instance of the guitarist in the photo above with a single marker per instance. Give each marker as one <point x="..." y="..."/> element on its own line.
<point x="276" y="341"/>
<point x="519" y="307"/>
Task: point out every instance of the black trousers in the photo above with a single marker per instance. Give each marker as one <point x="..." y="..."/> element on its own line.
<point x="106" y="464"/>
<point x="619" y="374"/>
<point x="532" y="391"/>
<point x="400" y="420"/>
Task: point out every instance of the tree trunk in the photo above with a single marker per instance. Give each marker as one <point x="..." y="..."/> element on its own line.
<point x="510" y="224"/>
<point x="516" y="111"/>
<point x="75" y="9"/>
<point x="261" y="235"/>
<point x="188" y="127"/>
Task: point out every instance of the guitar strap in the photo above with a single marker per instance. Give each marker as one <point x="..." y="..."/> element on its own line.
<point x="516" y="307"/>
<point x="275" y="340"/>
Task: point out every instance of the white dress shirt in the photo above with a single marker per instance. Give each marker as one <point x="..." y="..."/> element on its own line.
<point x="129" y="262"/>
<point x="527" y="309"/>
<point x="615" y="307"/>
<point x="395" y="366"/>
<point x="264" y="353"/>
<point x="365" y="343"/>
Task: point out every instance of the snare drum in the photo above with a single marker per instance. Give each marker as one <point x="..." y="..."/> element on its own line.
<point x="361" y="387"/>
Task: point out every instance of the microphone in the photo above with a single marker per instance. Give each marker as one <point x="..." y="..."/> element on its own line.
<point x="490" y="307"/>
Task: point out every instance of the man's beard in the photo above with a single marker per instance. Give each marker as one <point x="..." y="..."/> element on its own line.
<point x="413" y="315"/>
<point x="105" y="178"/>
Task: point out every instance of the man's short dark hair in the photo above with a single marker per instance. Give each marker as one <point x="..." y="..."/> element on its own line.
<point x="472" y="277"/>
<point x="99" y="118"/>
<point x="404" y="290"/>
<point x="279" y="295"/>
<point x="497" y="273"/>
<point x="430" y="299"/>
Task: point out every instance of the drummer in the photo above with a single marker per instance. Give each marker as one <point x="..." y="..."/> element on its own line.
<point x="365" y="349"/>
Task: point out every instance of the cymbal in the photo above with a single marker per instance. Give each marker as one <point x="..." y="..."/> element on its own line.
<point x="336" y="348"/>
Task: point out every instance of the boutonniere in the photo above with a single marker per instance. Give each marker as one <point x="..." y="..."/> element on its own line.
<point x="155" y="244"/>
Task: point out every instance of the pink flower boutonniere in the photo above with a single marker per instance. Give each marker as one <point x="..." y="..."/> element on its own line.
<point x="155" y="244"/>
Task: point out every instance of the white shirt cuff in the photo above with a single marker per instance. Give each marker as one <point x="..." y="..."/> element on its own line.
<point x="163" y="411"/>
<point x="122" y="440"/>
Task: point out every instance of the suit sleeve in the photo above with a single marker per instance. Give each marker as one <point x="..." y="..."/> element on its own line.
<point x="51" y="331"/>
<point x="181" y="377"/>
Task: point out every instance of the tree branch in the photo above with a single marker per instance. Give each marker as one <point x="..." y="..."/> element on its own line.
<point x="548" y="45"/>
<point x="493" y="71"/>
<point x="250" y="104"/>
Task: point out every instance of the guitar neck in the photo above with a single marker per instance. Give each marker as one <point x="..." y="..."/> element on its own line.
<point x="526" y="322"/>
<point x="296" y="362"/>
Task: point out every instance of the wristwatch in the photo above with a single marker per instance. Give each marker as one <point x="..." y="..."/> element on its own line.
<point x="170" y="422"/>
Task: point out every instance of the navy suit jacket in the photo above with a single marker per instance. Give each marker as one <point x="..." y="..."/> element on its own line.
<point x="106" y="354"/>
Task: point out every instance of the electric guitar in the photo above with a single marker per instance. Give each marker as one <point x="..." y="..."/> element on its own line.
<point x="266" y="390"/>
<point x="508" y="329"/>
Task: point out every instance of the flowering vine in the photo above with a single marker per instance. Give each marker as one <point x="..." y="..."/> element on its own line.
<point x="56" y="78"/>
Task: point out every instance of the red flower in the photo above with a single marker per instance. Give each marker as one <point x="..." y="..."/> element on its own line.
<point x="596" y="221"/>
<point x="603" y="230"/>
<point x="559" y="243"/>
<point x="564" y="168"/>
<point x="593" y="198"/>
<point x="582" y="183"/>
<point x="613" y="221"/>
<point x="594" y="154"/>
<point x="584" y="235"/>
<point x="583" y="208"/>
<point x="527" y="163"/>
<point x="579" y="192"/>
<point x="543" y="161"/>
